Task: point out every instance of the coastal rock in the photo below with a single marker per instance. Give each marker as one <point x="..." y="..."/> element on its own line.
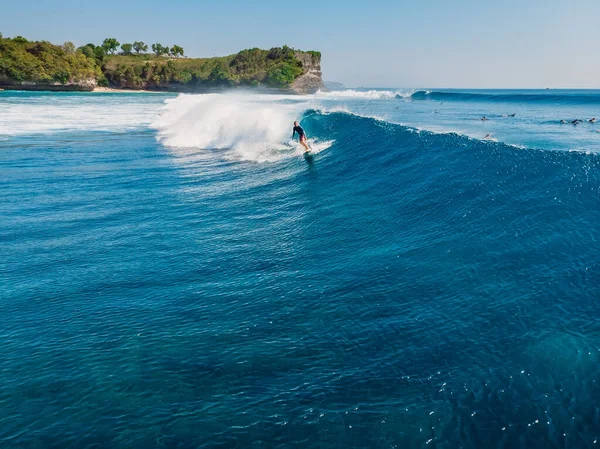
<point x="85" y="85"/>
<point x="312" y="79"/>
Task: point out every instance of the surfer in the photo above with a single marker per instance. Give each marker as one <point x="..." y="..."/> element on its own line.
<point x="301" y="134"/>
<point x="592" y="120"/>
<point x="563" y="121"/>
<point x="484" y="118"/>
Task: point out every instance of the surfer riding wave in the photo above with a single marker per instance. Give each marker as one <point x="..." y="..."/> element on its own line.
<point x="301" y="134"/>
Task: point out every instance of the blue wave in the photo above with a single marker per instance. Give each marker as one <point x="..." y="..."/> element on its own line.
<point x="452" y="174"/>
<point x="333" y="126"/>
<point x="563" y="97"/>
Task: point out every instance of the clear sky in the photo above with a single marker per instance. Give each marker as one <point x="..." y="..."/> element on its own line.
<point x="377" y="43"/>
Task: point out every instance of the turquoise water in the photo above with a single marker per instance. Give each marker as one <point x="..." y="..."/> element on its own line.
<point x="174" y="274"/>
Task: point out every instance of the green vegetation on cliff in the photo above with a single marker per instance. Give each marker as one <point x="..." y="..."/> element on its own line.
<point x="42" y="62"/>
<point x="166" y="68"/>
<point x="277" y="67"/>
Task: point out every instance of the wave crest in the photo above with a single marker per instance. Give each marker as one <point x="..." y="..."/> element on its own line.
<point x="367" y="94"/>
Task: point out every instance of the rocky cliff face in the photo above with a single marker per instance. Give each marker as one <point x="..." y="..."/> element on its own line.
<point x="311" y="80"/>
<point x="85" y="85"/>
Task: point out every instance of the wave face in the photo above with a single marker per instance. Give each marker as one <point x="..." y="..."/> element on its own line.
<point x="400" y="288"/>
<point x="527" y="119"/>
<point x="524" y="96"/>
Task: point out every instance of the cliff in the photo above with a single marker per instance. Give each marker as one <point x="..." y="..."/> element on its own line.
<point x="311" y="79"/>
<point x="84" y="85"/>
<point x="27" y="65"/>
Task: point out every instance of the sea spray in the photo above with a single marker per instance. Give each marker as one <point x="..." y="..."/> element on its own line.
<point x="249" y="127"/>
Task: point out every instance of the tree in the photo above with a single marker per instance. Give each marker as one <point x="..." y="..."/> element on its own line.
<point x="140" y="47"/>
<point x="100" y="54"/>
<point x="87" y="50"/>
<point x="176" y="50"/>
<point x="110" y="45"/>
<point x="69" y="47"/>
<point x="127" y="49"/>
<point x="219" y="75"/>
<point x="159" y="50"/>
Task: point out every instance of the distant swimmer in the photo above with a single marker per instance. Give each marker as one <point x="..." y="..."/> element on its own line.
<point x="301" y="134"/>
<point x="592" y="120"/>
<point x="575" y="122"/>
<point x="484" y="118"/>
<point x="563" y="121"/>
<point x="512" y="115"/>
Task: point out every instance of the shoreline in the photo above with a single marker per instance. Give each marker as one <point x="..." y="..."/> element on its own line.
<point x="113" y="90"/>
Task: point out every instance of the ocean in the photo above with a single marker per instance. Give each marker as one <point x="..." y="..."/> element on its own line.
<point x="175" y="274"/>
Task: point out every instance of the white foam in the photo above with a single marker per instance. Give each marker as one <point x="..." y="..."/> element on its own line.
<point x="62" y="113"/>
<point x="247" y="126"/>
<point x="366" y="94"/>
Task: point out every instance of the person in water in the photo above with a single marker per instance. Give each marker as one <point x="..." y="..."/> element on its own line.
<point x="301" y="134"/>
<point x="593" y="120"/>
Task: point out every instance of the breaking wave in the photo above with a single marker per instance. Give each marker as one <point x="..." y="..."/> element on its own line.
<point x="247" y="126"/>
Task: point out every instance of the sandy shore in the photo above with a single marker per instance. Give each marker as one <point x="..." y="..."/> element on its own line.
<point x="110" y="89"/>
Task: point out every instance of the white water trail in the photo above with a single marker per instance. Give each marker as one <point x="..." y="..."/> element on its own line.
<point x="59" y="113"/>
<point x="247" y="126"/>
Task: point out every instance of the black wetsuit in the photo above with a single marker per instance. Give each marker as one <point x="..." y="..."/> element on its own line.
<point x="300" y="131"/>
